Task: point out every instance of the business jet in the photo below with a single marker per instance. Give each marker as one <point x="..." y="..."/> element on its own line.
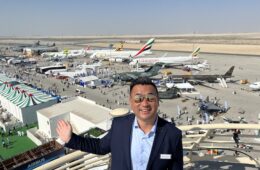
<point x="198" y="67"/>
<point x="174" y="60"/>
<point x="64" y="54"/>
<point x="255" y="86"/>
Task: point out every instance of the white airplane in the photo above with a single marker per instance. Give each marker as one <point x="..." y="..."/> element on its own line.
<point x="255" y="86"/>
<point x="120" y="56"/>
<point x="89" y="51"/>
<point x="165" y="60"/>
<point x="198" y="67"/>
<point x="64" y="54"/>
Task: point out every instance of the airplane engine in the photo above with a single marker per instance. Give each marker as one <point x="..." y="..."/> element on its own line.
<point x="118" y="60"/>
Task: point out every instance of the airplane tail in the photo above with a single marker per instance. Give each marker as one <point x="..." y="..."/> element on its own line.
<point x="146" y="47"/>
<point x="229" y="72"/>
<point x="121" y="46"/>
<point x="205" y="62"/>
<point x="195" y="52"/>
<point x="87" y="48"/>
<point x="154" y="69"/>
<point x="66" y="51"/>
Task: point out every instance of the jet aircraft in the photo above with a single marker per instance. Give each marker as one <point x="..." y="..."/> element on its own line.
<point x="169" y="93"/>
<point x="129" y="76"/>
<point x="121" y="56"/>
<point x="64" y="54"/>
<point x="211" y="107"/>
<point x="255" y="86"/>
<point x="198" y="67"/>
<point x="197" y="79"/>
<point x="167" y="61"/>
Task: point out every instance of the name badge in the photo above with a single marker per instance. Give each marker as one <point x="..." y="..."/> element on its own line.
<point x="165" y="156"/>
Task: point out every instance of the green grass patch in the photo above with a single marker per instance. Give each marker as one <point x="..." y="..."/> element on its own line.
<point x="95" y="132"/>
<point x="17" y="144"/>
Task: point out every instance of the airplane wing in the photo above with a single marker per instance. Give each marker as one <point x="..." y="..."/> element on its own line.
<point x="201" y="83"/>
<point x="132" y="76"/>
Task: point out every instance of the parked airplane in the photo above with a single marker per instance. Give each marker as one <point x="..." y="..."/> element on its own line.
<point x="211" y="107"/>
<point x="255" y="86"/>
<point x="177" y="60"/>
<point x="129" y="76"/>
<point x="88" y="50"/>
<point x="20" y="48"/>
<point x="169" y="93"/>
<point x="202" y="78"/>
<point x="198" y="67"/>
<point x="64" y="54"/>
<point x="121" y="56"/>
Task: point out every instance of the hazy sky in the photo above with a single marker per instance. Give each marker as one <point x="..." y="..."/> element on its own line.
<point x="131" y="17"/>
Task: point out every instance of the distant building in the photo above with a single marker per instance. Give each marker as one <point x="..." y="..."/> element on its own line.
<point x="82" y="113"/>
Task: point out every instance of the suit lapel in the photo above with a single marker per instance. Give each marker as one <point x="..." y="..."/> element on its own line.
<point x="127" y="140"/>
<point x="159" y="137"/>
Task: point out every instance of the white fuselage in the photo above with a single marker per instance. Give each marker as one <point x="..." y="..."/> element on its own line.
<point x="165" y="60"/>
<point x="255" y="86"/>
<point x="62" y="54"/>
<point x="199" y="67"/>
<point x="116" y="54"/>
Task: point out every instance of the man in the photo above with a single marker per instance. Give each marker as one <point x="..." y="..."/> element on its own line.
<point x="137" y="141"/>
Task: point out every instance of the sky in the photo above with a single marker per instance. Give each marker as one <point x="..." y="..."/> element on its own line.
<point x="132" y="17"/>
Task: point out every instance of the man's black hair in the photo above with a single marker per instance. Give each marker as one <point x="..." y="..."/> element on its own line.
<point x="142" y="81"/>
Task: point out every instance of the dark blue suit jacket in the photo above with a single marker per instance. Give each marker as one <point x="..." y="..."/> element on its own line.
<point x="167" y="142"/>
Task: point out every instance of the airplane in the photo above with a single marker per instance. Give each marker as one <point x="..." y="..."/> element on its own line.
<point x="198" y="67"/>
<point x="175" y="60"/>
<point x="88" y="50"/>
<point x="19" y="48"/>
<point x="64" y="54"/>
<point x="121" y="56"/>
<point x="255" y="86"/>
<point x="169" y="93"/>
<point x="240" y="120"/>
<point x="211" y="107"/>
<point x="196" y="79"/>
<point x="129" y="76"/>
<point x="39" y="49"/>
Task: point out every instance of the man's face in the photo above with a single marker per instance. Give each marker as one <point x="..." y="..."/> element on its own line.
<point x="144" y="102"/>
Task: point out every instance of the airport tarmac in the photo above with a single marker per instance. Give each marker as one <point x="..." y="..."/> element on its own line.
<point x="238" y="96"/>
<point x="246" y="67"/>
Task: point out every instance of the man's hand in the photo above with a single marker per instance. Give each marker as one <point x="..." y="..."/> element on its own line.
<point x="64" y="130"/>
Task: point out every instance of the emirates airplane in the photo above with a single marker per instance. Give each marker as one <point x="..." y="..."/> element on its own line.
<point x="121" y="56"/>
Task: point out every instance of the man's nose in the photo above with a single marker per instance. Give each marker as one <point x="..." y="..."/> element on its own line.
<point x="145" y="101"/>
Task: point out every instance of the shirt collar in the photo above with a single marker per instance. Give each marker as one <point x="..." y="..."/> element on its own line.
<point x="135" y="125"/>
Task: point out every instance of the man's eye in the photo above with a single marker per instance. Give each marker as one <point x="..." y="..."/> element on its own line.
<point x="138" y="99"/>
